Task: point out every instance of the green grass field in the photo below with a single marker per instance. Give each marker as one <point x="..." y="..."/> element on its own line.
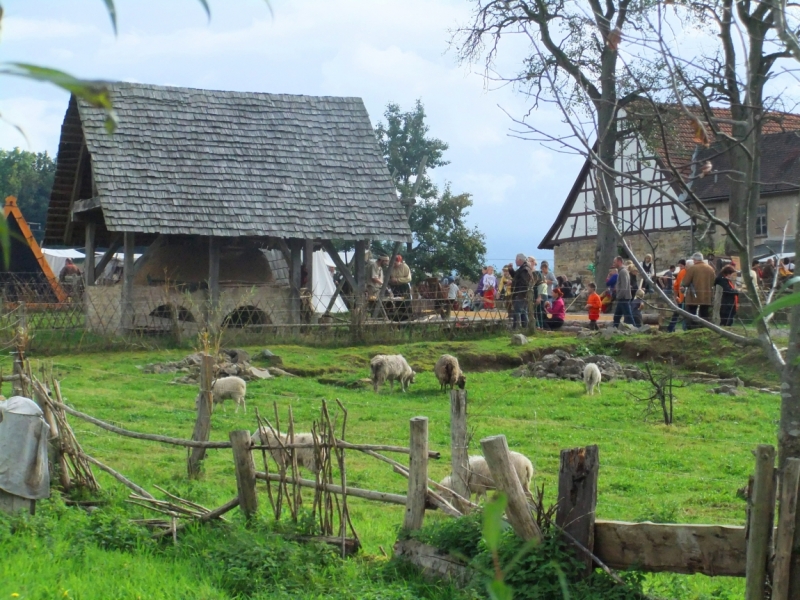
<point x="689" y="472"/>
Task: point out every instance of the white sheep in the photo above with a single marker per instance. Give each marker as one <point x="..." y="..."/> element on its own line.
<point x="390" y="367"/>
<point x="234" y="388"/>
<point x="479" y="479"/>
<point x="592" y="378"/>
<point x="305" y="456"/>
<point x="448" y="372"/>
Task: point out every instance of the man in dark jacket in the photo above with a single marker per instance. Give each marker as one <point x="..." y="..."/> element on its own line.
<point x="520" y="283"/>
<point x="623" y="293"/>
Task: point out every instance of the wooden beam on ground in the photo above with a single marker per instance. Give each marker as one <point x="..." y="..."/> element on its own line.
<point x="714" y="550"/>
<point x="458" y="445"/>
<point x="116" y="243"/>
<point x="495" y="449"/>
<point x="786" y="529"/>
<point x="761" y="516"/>
<point x="337" y="260"/>
<point x="127" y="281"/>
<point x="577" y="497"/>
<point x="88" y="265"/>
<point x="417" y="475"/>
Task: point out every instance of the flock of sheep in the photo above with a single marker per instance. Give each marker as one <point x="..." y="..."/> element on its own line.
<point x="391" y="368"/>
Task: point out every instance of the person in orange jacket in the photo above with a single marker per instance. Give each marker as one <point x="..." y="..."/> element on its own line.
<point x="594" y="303"/>
<point x="676" y="288"/>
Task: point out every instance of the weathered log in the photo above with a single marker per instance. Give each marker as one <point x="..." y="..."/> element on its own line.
<point x="655" y="547"/>
<point x="202" y="426"/>
<point x="245" y="472"/>
<point x="417" y="475"/>
<point x="762" y="514"/>
<point x="119" y="477"/>
<point x="336" y="489"/>
<point x="577" y="497"/>
<point x="458" y="444"/>
<point x="786" y="529"/>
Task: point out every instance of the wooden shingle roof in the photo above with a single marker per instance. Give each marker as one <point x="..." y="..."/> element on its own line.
<point x="199" y="162"/>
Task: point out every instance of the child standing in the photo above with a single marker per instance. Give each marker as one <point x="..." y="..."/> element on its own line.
<point x="594" y="303"/>
<point x="636" y="308"/>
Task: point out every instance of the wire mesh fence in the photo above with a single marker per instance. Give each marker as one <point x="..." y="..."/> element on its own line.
<point x="168" y="315"/>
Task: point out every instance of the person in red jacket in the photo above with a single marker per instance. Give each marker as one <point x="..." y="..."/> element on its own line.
<point x="594" y="303"/>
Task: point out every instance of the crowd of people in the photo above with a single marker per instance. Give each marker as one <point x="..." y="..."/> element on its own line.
<point x="707" y="287"/>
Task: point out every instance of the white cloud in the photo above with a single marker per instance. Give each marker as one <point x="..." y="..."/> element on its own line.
<point x="39" y="119"/>
<point x="17" y="29"/>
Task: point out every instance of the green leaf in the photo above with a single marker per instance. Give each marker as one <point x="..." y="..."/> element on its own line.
<point x="781" y="303"/>
<point x="96" y="93"/>
<point x="498" y="590"/>
<point x="112" y="12"/>
<point x="493" y="521"/>
<point x="5" y="243"/>
<point x="206" y="8"/>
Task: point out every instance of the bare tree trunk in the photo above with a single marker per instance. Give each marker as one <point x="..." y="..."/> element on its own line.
<point x="606" y="199"/>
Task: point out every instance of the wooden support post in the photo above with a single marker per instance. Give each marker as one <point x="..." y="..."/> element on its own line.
<point x="212" y="319"/>
<point x="88" y="265"/>
<point x="295" y="246"/>
<point x="116" y="243"/>
<point x="786" y="529"/>
<point x="202" y="427"/>
<point x="759" y="535"/>
<point x="458" y="445"/>
<point x="127" y="320"/>
<point x="308" y="263"/>
<point x="245" y="472"/>
<point x="495" y="449"/>
<point x="577" y="497"/>
<point x="417" y="475"/>
<point x="359" y="262"/>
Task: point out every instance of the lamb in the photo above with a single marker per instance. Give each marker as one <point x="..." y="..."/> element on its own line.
<point x="234" y="388"/>
<point x="305" y="456"/>
<point x="592" y="378"/>
<point x="390" y="367"/>
<point x="480" y="479"/>
<point x="449" y="373"/>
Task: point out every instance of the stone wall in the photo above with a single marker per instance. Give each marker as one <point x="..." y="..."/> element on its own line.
<point x="103" y="306"/>
<point x="573" y="258"/>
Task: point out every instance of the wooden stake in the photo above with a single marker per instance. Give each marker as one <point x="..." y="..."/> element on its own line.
<point x="127" y="320"/>
<point x="202" y="427"/>
<point x="245" y="472"/>
<point x="495" y="449"/>
<point x="786" y="529"/>
<point x="762" y="507"/>
<point x="458" y="444"/>
<point x="119" y="477"/>
<point x="577" y="497"/>
<point x="417" y="475"/>
<point x="88" y="265"/>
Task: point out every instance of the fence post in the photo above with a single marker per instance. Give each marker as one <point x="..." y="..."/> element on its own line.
<point x="417" y="475"/>
<point x="458" y="445"/>
<point x="202" y="427"/>
<point x="759" y="531"/>
<point x="245" y="472"/>
<point x="495" y="449"/>
<point x="786" y="529"/>
<point x="577" y="497"/>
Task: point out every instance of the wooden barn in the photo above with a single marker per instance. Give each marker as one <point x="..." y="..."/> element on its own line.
<point x="209" y="184"/>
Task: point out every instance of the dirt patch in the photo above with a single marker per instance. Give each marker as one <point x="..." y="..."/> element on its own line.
<point x="309" y="372"/>
<point x="477" y="363"/>
<point x="351" y="385"/>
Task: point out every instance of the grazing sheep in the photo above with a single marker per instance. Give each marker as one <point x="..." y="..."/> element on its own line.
<point x="234" y="388"/>
<point x="390" y="367"/>
<point x="480" y="479"/>
<point x="305" y="456"/>
<point x="449" y="373"/>
<point x="591" y="378"/>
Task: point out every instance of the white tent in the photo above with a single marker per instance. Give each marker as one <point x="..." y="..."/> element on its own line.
<point x="58" y="258"/>
<point x="324" y="286"/>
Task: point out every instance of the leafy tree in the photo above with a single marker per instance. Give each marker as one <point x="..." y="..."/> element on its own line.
<point x="29" y="177"/>
<point x="403" y="141"/>
<point x="442" y="241"/>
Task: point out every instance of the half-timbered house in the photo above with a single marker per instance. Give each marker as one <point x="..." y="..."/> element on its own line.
<point x="651" y="210"/>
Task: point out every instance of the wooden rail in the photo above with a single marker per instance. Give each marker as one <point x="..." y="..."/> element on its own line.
<point x="336" y="489"/>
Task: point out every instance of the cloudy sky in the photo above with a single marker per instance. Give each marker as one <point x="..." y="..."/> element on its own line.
<point x="381" y="50"/>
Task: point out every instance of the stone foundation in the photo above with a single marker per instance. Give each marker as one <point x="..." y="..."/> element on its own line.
<point x="572" y="259"/>
<point x="152" y="305"/>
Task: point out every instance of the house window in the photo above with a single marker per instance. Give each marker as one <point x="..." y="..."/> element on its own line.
<point x="761" y="219"/>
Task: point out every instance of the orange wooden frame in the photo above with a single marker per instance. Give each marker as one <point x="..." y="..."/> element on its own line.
<point x="12" y="209"/>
